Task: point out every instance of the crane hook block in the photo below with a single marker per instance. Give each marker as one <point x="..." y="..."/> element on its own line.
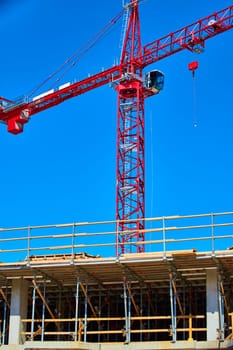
<point x="193" y="65"/>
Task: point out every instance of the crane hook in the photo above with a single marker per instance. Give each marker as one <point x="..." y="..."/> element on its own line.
<point x="192" y="66"/>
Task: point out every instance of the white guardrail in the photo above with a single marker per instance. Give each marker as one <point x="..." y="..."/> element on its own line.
<point x="203" y="232"/>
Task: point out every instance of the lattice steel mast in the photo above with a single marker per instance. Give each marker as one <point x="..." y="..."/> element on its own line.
<point x="130" y="167"/>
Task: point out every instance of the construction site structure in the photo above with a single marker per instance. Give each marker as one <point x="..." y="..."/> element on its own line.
<point x="135" y="282"/>
<point x="58" y="293"/>
<point x="132" y="88"/>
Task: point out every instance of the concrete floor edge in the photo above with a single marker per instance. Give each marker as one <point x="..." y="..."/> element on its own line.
<point x="66" y="345"/>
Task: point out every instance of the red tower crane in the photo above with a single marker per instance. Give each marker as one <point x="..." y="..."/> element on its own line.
<point x="132" y="88"/>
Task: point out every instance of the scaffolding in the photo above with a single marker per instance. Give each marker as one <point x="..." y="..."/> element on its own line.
<point x="79" y="290"/>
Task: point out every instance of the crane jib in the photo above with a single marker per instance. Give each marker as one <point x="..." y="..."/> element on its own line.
<point x="191" y="37"/>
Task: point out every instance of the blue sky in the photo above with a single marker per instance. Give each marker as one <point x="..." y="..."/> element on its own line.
<point x="62" y="167"/>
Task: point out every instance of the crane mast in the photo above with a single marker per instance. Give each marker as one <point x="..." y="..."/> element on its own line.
<point x="132" y="89"/>
<point x="130" y="168"/>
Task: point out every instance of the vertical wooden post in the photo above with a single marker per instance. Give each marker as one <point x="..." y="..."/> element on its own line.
<point x="190" y="338"/>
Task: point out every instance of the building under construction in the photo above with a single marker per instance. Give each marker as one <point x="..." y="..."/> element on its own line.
<point x="66" y="286"/>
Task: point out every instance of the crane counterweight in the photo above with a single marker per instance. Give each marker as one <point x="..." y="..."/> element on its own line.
<point x="15" y="125"/>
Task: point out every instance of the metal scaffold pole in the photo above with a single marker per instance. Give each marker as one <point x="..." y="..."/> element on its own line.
<point x="33" y="308"/>
<point x="6" y="306"/>
<point x="43" y="314"/>
<point x="173" y="309"/>
<point x="220" y="290"/>
<point x="76" y="310"/>
<point x="85" y="314"/>
<point x="99" y="314"/>
<point x="127" y="313"/>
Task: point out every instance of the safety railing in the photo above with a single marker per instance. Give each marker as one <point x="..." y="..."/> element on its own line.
<point x="203" y="232"/>
<point x="110" y="328"/>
